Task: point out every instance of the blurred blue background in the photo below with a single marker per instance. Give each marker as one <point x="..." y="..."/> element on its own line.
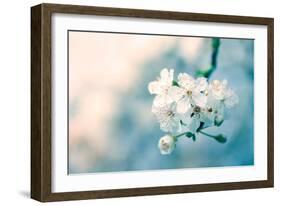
<point x="133" y="132"/>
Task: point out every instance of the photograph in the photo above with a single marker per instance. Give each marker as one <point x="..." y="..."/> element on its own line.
<point x="146" y="101"/>
<point x="132" y="102"/>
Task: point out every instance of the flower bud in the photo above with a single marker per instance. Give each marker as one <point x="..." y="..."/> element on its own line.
<point x="166" y="144"/>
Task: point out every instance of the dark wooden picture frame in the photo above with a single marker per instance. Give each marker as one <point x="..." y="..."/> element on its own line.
<point x="41" y="118"/>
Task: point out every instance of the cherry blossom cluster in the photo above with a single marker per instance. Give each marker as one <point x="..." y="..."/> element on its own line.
<point x="187" y="105"/>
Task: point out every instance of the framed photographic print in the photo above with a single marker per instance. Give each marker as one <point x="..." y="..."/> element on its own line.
<point x="129" y="102"/>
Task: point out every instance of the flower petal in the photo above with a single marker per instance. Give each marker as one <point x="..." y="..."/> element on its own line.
<point x="231" y="99"/>
<point x="194" y="124"/>
<point x="165" y="126"/>
<point x="199" y="99"/>
<point x="201" y="84"/>
<point x="160" y="100"/>
<point x="176" y="93"/>
<point x="186" y="81"/>
<point x="183" y="105"/>
<point x="154" y="87"/>
<point x="167" y="75"/>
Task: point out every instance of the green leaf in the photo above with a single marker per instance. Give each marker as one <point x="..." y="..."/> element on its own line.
<point x="189" y="134"/>
<point x="220" y="138"/>
<point x="174" y="83"/>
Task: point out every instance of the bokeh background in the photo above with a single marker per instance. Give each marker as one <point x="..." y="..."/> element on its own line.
<point x="111" y="127"/>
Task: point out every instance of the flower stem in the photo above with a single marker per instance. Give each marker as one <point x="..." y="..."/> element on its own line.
<point x="220" y="138"/>
<point x="181" y="134"/>
<point x="187" y="134"/>
<point x="215" y="50"/>
<point x="208" y="135"/>
<point x="214" y="55"/>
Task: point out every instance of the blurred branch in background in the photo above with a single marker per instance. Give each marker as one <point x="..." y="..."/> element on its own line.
<point x="215" y="49"/>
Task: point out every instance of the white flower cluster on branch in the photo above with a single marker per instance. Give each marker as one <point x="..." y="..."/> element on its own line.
<point x="186" y="106"/>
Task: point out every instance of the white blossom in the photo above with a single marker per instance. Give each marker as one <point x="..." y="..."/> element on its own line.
<point x="188" y="105"/>
<point x="161" y="87"/>
<point x="196" y="115"/>
<point x="166" y="144"/>
<point x="168" y="118"/>
<point x="214" y="109"/>
<point x="189" y="92"/>
<point x="230" y="98"/>
<point x="219" y="91"/>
